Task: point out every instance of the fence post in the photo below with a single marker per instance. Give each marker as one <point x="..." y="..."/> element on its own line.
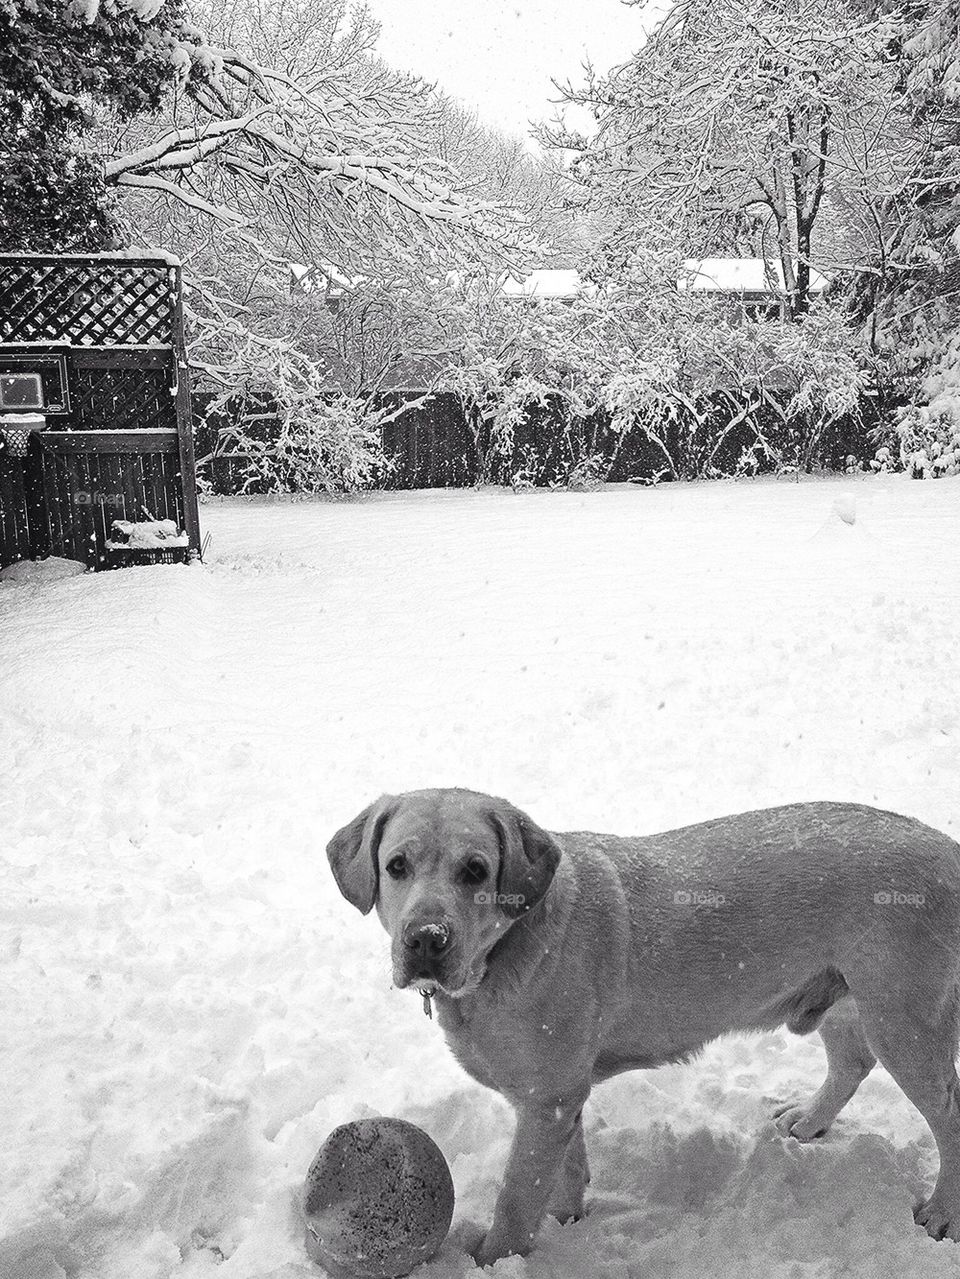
<point x="184" y="406"/>
<point x="38" y="520"/>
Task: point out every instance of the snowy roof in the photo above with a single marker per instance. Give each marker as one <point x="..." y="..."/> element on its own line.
<point x="543" y="284"/>
<point x="333" y="281"/>
<point x="739" y="275"/>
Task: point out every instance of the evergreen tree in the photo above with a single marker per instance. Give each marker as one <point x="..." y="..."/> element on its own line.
<point x="59" y="63"/>
<point x="912" y="296"/>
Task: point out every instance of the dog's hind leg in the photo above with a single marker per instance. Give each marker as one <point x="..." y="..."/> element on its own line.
<point x="917" y="1043"/>
<point x="849" y="1061"/>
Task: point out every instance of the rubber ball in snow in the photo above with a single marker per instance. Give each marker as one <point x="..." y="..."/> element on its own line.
<point x="845" y="505"/>
<point x="378" y="1200"/>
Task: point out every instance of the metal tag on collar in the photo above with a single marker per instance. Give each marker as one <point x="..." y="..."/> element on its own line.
<point x="427" y="1007"/>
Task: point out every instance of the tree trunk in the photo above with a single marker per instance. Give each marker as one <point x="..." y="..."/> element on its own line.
<point x="801" y="298"/>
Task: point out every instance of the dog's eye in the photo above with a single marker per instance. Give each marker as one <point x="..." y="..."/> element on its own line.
<point x="475" y="871"/>
<point x="397" y="866"/>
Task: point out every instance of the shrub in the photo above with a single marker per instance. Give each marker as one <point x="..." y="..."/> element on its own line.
<point x="923" y="440"/>
<point x="311" y="443"/>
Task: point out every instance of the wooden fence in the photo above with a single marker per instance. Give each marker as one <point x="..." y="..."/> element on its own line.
<point x="105" y="335"/>
<point x="436" y="445"/>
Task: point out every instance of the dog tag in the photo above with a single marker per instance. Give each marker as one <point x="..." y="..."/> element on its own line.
<point x="426" y="1004"/>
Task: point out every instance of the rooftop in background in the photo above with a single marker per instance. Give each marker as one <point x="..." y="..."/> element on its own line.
<point x="748" y="275"/>
<point x="324" y="276"/>
<point x="740" y="275"/>
<point x="543" y="284"/>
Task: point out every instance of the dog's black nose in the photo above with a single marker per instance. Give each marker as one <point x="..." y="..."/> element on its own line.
<point x="427" y="940"/>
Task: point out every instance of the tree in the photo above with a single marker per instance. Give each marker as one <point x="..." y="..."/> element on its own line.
<point x="301" y="146"/>
<point x="51" y="200"/>
<point x="910" y="297"/>
<point x="502" y="169"/>
<point x="326" y="140"/>
<point x="284" y="138"/>
<point x="914" y="301"/>
<point x="327" y="143"/>
<point x="57" y="61"/>
<point x="743" y="124"/>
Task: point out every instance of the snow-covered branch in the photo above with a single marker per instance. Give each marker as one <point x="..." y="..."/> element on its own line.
<point x="342" y="149"/>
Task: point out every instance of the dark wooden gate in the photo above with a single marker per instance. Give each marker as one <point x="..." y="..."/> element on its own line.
<point x="106" y="336"/>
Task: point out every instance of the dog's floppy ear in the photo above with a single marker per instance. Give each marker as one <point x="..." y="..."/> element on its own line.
<point x="353" y="853"/>
<point x="528" y="858"/>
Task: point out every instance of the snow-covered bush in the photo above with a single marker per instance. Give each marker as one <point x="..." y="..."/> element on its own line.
<point x="923" y="437"/>
<point x="923" y="440"/>
<point x="619" y="384"/>
<point x="650" y="380"/>
<point x="314" y="443"/>
<point x="278" y="410"/>
<point x="588" y="473"/>
<point x="328" y="445"/>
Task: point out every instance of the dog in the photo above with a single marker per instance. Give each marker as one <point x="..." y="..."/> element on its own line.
<point x="559" y="960"/>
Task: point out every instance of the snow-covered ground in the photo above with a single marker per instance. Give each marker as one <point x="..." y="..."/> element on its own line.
<point x="188" y="1006"/>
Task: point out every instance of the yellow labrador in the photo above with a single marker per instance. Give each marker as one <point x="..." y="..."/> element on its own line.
<point x="557" y="961"/>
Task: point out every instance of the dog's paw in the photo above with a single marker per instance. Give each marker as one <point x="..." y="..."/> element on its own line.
<point x="493" y="1248"/>
<point x="567" y="1207"/>
<point x="566" y="1214"/>
<point x="468" y="1237"/>
<point x="801" y="1121"/>
<point x="486" y="1254"/>
<point x="939" y="1219"/>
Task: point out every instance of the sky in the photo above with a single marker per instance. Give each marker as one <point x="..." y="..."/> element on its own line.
<point x="499" y="55"/>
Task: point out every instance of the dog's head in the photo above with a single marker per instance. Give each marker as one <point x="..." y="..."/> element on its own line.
<point x="449" y="871"/>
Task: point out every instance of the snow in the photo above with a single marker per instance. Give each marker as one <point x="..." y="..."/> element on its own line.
<point x="87" y="10"/>
<point x="189" y="1007"/>
<point x="52" y="569"/>
<point x="147" y="534"/>
<point x="334" y="281"/>
<point x="739" y="275"/>
<point x="113" y="255"/>
<point x="22" y="421"/>
<point x="543" y="284"/>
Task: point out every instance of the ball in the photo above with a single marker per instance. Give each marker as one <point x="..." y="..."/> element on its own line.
<point x="845" y="505"/>
<point x="378" y="1200"/>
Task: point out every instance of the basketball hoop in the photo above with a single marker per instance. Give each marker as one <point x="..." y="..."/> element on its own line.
<point x="16" y="429"/>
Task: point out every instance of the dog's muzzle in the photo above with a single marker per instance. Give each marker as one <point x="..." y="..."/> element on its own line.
<point x="426" y="946"/>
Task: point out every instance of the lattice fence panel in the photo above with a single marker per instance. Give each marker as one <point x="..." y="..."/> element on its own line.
<point x="91" y="303"/>
<point x="106" y="399"/>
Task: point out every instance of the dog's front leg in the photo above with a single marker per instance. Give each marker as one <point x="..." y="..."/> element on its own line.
<point x="544" y="1131"/>
<point x="566" y="1201"/>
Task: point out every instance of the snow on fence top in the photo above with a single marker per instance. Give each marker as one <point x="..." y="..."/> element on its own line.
<point x="114" y="255"/>
<point x="739" y="275"/>
<point x="97" y="300"/>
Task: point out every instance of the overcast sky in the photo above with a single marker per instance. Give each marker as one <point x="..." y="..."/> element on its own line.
<point x="499" y="55"/>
